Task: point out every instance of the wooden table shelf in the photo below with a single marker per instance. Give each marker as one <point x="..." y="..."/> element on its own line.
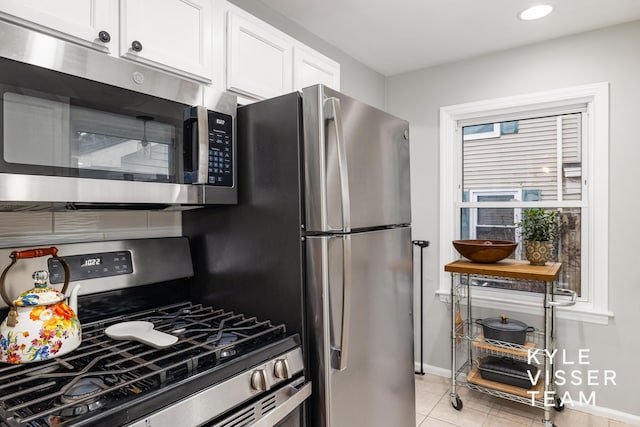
<point x="546" y="275"/>
<point x="507" y="268"/>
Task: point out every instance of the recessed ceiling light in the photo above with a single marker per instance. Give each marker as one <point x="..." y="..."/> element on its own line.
<point x="535" y="12"/>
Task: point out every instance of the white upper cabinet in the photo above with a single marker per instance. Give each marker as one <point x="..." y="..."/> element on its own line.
<point x="175" y="35"/>
<point x="170" y="34"/>
<point x="187" y="37"/>
<point x="263" y="62"/>
<point x="92" y="23"/>
<point x="259" y="58"/>
<point x="310" y="68"/>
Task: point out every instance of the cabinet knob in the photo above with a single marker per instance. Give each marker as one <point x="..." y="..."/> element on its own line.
<point x="104" y="36"/>
<point x="136" y="46"/>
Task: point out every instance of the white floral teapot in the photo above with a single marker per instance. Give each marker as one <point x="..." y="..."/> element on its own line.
<point x="40" y="325"/>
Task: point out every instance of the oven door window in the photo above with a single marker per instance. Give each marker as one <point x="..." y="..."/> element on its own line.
<point x="87" y="131"/>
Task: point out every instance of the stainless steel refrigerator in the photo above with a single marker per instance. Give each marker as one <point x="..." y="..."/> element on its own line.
<point x="321" y="241"/>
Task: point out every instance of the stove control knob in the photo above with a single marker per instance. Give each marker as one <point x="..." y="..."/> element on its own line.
<point x="259" y="380"/>
<point x="281" y="369"/>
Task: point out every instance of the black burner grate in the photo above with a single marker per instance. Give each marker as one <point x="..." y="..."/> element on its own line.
<point x="113" y="375"/>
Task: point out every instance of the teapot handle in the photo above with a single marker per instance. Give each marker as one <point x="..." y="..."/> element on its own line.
<point x="33" y="253"/>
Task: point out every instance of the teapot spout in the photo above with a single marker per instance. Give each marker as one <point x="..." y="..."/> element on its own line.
<point x="73" y="298"/>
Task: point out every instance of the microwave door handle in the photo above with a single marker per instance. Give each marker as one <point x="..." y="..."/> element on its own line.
<point x="203" y="144"/>
<point x="333" y="112"/>
<point x="341" y="354"/>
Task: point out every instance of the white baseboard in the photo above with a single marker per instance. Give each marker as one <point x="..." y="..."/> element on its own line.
<point x="599" y="411"/>
<point x="435" y="370"/>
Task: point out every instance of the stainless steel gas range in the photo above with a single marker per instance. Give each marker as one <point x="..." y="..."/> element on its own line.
<point x="226" y="368"/>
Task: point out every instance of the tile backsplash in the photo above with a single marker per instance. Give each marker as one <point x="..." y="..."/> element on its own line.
<point x="41" y="228"/>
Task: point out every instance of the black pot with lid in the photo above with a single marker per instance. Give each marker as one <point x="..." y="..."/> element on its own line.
<point x="504" y="329"/>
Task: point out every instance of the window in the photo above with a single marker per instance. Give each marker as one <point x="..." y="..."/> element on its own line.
<point x="488" y="222"/>
<point x="530" y="161"/>
<point x="490" y="130"/>
<point x="547" y="150"/>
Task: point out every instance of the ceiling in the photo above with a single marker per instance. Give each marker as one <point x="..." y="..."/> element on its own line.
<point x="395" y="36"/>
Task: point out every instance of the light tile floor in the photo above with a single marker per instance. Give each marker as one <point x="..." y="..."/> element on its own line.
<point x="433" y="409"/>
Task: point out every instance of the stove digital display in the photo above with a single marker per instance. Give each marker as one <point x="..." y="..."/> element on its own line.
<point x="90" y="262"/>
<point x="91" y="266"/>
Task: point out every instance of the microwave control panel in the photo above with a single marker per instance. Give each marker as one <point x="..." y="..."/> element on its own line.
<point x="220" y="149"/>
<point x="208" y="151"/>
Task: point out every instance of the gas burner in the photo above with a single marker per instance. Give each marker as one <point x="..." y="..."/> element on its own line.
<point x="224" y="339"/>
<point x="179" y="326"/>
<point x="78" y="393"/>
<point x="45" y="370"/>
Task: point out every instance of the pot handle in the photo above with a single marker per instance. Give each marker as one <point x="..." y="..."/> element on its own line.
<point x="33" y="253"/>
<point x="530" y="329"/>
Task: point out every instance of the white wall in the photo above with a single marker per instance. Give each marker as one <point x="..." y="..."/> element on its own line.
<point x="356" y="79"/>
<point x="605" y="55"/>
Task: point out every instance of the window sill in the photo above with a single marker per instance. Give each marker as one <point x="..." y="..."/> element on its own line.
<point x="531" y="304"/>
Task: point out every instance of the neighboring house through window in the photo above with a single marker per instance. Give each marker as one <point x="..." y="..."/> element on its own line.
<point x="491" y="223"/>
<point x="545" y="150"/>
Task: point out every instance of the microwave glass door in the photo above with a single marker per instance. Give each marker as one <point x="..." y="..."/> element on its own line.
<point x="57" y="124"/>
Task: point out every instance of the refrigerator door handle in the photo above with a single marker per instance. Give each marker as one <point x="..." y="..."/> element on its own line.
<point x="340" y="355"/>
<point x="333" y="112"/>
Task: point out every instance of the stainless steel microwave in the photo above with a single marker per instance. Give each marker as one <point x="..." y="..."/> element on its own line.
<point x="81" y="129"/>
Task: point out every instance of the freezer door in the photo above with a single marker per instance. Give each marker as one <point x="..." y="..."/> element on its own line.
<point x="356" y="163"/>
<point x="360" y="301"/>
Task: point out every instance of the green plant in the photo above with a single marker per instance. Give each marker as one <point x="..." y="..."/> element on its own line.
<point x="538" y="225"/>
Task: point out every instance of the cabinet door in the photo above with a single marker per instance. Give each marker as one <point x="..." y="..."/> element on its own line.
<point x="310" y="68"/>
<point x="259" y="58"/>
<point x="171" y="34"/>
<point x="76" y="20"/>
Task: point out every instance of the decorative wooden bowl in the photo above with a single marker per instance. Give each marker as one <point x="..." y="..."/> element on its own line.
<point x="485" y="251"/>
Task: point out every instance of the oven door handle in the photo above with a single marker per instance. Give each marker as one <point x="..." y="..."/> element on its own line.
<point x="295" y="398"/>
